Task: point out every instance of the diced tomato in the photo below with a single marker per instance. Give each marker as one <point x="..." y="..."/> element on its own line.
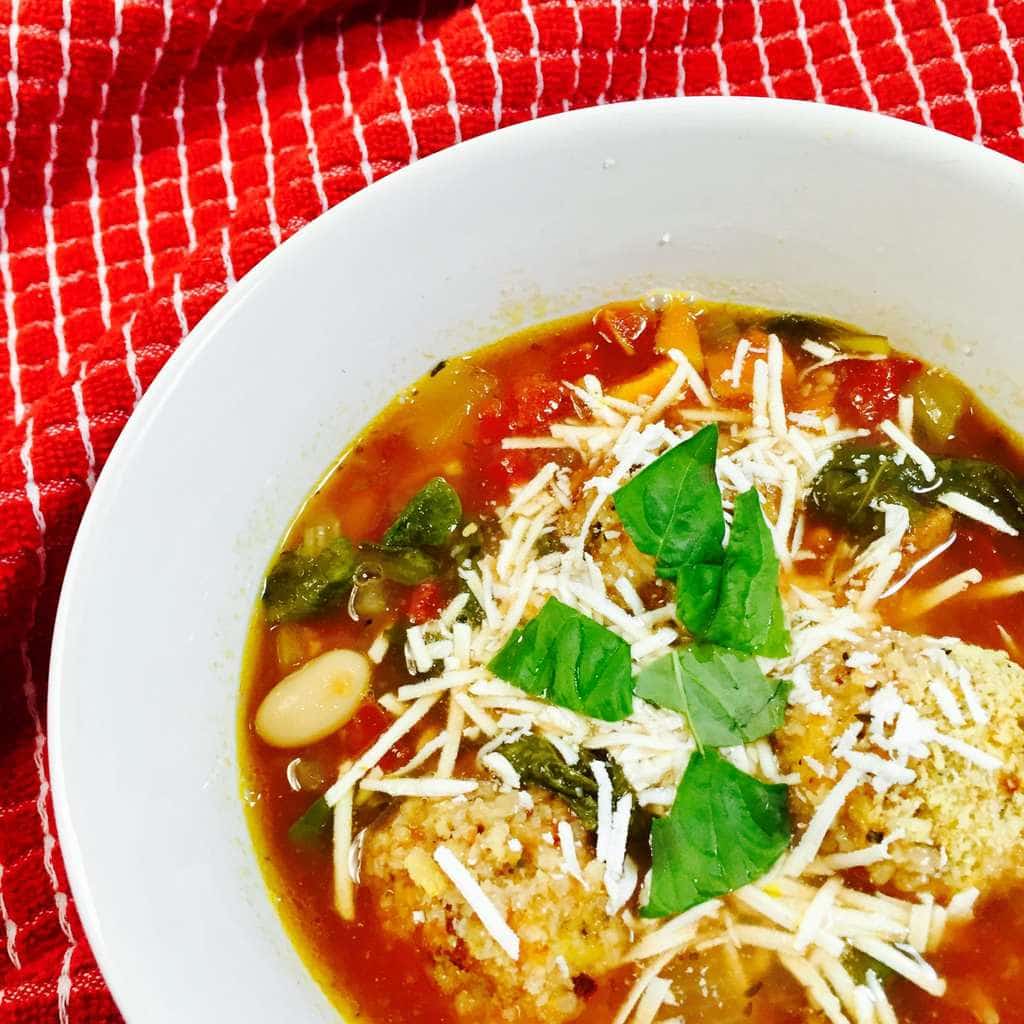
<point x="362" y="731"/>
<point x="580" y="360"/>
<point x="492" y="421"/>
<point x="537" y="401"/>
<point x="869" y="390"/>
<point x="426" y="601"/>
<point x="622" y="324"/>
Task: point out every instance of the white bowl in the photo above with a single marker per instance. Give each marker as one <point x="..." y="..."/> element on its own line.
<point x="901" y="229"/>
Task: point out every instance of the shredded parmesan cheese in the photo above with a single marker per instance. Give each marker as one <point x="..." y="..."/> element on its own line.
<point x="489" y="915"/>
<point x="975" y="510"/>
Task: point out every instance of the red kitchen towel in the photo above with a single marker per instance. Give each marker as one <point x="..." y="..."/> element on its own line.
<point x="153" y="151"/>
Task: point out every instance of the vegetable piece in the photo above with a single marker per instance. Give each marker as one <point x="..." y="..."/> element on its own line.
<point x="749" y="614"/>
<point x="622" y="323"/>
<point x="299" y="585"/>
<point x="428" y="520"/>
<point x="718" y="327"/>
<point x="313" y="827"/>
<point x="869" y="390"/>
<point x="538" y="763"/>
<point x="672" y="509"/>
<point x="400" y="565"/>
<point x="725" y="829"/>
<point x="939" y="401"/>
<point x="858" y="479"/>
<point x="858" y="965"/>
<point x="571" y="660"/>
<point x="842" y="336"/>
<point x="677" y="329"/>
<point x="426" y="602"/>
<point x="726" y="699"/>
<point x="313" y="701"/>
<point x="650" y="382"/>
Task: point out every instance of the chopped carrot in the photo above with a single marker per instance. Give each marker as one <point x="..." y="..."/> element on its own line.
<point x="720" y="364"/>
<point x="648" y="383"/>
<point x="677" y="329"/>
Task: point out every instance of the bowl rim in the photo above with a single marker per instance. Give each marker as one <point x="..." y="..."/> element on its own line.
<point x="932" y="146"/>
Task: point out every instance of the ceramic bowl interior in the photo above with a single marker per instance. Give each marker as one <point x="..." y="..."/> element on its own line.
<point x="906" y="231"/>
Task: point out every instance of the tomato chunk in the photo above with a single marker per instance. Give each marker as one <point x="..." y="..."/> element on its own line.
<point x="363" y="730"/>
<point x="869" y="390"/>
<point x="426" y="601"/>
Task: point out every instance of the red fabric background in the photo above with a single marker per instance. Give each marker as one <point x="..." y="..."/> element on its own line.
<point x="152" y="151"/>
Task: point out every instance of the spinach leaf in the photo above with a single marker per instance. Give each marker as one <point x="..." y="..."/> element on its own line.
<point x="672" y="509"/>
<point x="314" y="826"/>
<point x="749" y="614"/>
<point x="570" y="659"/>
<point x="428" y="520"/>
<point x="726" y="698"/>
<point x="301" y="585"/>
<point x="858" y="479"/>
<point x="539" y="763"/>
<point x="725" y="829"/>
<point x="995" y="487"/>
<point x="400" y="565"/>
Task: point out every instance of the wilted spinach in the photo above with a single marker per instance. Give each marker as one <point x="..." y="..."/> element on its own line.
<point x="851" y="488"/>
<point x="302" y="585"/>
<point x="540" y="764"/>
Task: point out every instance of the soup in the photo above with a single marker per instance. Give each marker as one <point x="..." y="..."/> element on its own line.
<point x="658" y="664"/>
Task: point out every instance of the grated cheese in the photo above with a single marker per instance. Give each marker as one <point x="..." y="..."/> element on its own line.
<point x="975" y="510"/>
<point x="383" y="744"/>
<point x="604" y="809"/>
<point x="942" y="592"/>
<point x="909" y="448"/>
<point x="378" y="648"/>
<point x="567" y="844"/>
<point x="961" y="905"/>
<point x="817" y="828"/>
<point x="430" y="788"/>
<point x="502" y="767"/>
<point x="652" y="1000"/>
<point x="489" y="915"/>
<point x="341" y="849"/>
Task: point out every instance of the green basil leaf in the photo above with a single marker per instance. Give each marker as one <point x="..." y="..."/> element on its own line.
<point x="725" y="697"/>
<point x="428" y="520"/>
<point x="302" y="585"/>
<point x="725" y="830"/>
<point x="749" y="615"/>
<point x="572" y="660"/>
<point x="697" y="591"/>
<point x="672" y="509"/>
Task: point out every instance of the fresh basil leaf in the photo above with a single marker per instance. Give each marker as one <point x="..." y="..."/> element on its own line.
<point x="749" y="615"/>
<point x="302" y="585"/>
<point x="725" y="830"/>
<point x="726" y="698"/>
<point x="697" y="592"/>
<point x="538" y="763"/>
<point x="853" y="485"/>
<point x="428" y="520"/>
<point x="572" y="660"/>
<point x="672" y="509"/>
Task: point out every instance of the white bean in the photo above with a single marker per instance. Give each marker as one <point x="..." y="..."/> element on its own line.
<point x="314" y="700"/>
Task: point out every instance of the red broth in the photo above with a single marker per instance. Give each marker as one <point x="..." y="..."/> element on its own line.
<point x="451" y="423"/>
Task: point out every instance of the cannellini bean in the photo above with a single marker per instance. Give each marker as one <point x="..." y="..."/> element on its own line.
<point x="315" y="700"/>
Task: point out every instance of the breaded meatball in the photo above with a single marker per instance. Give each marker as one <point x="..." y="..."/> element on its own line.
<point x="962" y="825"/>
<point x="511" y="847"/>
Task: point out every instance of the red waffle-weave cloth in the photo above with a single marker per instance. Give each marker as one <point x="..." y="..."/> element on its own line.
<point x="152" y="151"/>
